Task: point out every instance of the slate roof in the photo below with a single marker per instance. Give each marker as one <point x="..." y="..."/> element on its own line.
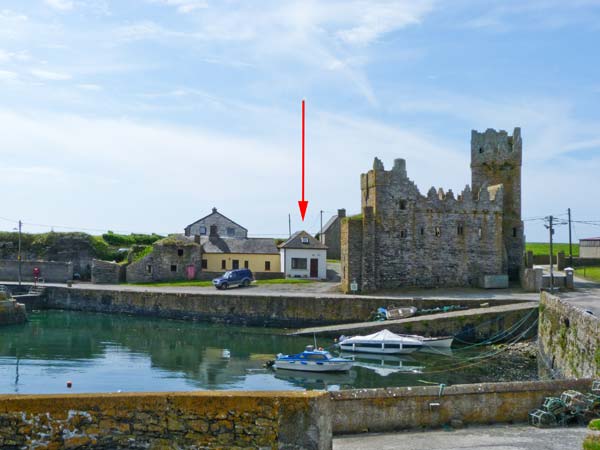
<point x="214" y="211"/>
<point x="212" y="244"/>
<point x="296" y="242"/>
<point x="329" y="223"/>
<point x="590" y="239"/>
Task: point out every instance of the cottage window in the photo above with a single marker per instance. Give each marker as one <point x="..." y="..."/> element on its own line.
<point x="246" y="265"/>
<point x="299" y="263"/>
<point x="267" y="266"/>
<point x="173" y="267"/>
<point x="149" y="268"/>
<point x="179" y="252"/>
<point x="304" y="240"/>
<point x="403" y="233"/>
<point x="202" y="230"/>
<point x="230" y="231"/>
<point x="235" y="264"/>
<point x="402" y="204"/>
<point x="204" y="264"/>
<point x="223" y="264"/>
<point x="438" y="231"/>
<point x="460" y="230"/>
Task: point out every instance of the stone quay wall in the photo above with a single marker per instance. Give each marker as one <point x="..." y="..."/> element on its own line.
<point x="568" y="339"/>
<point x="266" y="420"/>
<point x="50" y="271"/>
<point x="418" y="407"/>
<point x="261" y="310"/>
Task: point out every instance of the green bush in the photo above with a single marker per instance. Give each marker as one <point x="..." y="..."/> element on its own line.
<point x="591" y="442"/>
<point x="130" y="239"/>
<point x="594" y="425"/>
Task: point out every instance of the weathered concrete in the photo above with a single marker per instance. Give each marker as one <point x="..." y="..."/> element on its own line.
<point x="51" y="271"/>
<point x="238" y="306"/>
<point x="273" y="420"/>
<point x="360" y="410"/>
<point x="471" y="325"/>
<point x="569" y="338"/>
<point x="500" y="437"/>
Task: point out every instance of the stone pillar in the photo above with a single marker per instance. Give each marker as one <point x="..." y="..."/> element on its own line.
<point x="529" y="260"/>
<point x="569" y="281"/>
<point x="560" y="261"/>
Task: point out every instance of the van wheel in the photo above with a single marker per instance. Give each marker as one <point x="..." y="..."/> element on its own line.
<point x="224" y="286"/>
<point x="246" y="283"/>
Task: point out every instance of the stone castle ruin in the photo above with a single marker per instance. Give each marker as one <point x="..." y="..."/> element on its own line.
<point x="403" y="238"/>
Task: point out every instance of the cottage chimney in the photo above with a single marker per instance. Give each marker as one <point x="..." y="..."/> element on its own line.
<point x="341" y="213"/>
<point x="214" y="210"/>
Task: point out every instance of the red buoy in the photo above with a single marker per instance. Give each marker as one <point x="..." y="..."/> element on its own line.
<point x="69" y="384"/>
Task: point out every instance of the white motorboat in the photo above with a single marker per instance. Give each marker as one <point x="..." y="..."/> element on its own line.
<point x="311" y="360"/>
<point x="383" y="342"/>
<point x="442" y="342"/>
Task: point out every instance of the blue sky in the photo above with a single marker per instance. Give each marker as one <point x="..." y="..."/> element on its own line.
<point x="140" y="116"/>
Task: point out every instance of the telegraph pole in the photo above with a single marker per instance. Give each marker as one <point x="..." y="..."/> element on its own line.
<point x="321" y="232"/>
<point x="551" y="229"/>
<point x="290" y="224"/>
<point x="19" y="252"/>
<point x="570" y="241"/>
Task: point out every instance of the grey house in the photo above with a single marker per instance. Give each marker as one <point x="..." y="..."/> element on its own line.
<point x="216" y="224"/>
<point x="330" y="235"/>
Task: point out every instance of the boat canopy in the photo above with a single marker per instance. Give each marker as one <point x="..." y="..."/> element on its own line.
<point x="383" y="335"/>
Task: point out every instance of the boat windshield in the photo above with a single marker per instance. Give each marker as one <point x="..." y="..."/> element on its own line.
<point x="316" y="356"/>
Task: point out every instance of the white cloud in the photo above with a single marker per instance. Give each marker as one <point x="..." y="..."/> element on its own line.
<point x="89" y="87"/>
<point x="7" y="75"/>
<point x="184" y="6"/>
<point x="49" y="75"/>
<point x="62" y="5"/>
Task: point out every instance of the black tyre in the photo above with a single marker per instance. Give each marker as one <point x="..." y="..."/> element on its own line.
<point x="224" y="286"/>
<point x="246" y="283"/>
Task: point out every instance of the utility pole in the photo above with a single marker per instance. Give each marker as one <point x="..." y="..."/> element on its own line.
<point x="19" y="252"/>
<point x="570" y="241"/>
<point x="321" y="231"/>
<point x="290" y="224"/>
<point x="551" y="229"/>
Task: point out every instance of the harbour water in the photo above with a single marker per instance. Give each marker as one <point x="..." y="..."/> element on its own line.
<point x="112" y="353"/>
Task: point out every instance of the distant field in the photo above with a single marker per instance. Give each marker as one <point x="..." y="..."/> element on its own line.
<point x="543" y="248"/>
<point x="589" y="273"/>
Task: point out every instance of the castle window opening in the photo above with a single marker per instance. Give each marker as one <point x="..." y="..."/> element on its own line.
<point x="460" y="230"/>
<point x="480" y="149"/>
<point x="179" y="252"/>
<point x="402" y="204"/>
<point x="438" y="231"/>
<point x="422" y="231"/>
<point x="149" y="268"/>
<point x="480" y="233"/>
<point x="173" y="267"/>
<point x="514" y="232"/>
<point x="403" y="233"/>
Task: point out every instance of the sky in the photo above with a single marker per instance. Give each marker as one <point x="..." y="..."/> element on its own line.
<point x="140" y="116"/>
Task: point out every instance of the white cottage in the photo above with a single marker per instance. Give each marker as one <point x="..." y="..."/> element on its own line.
<point x="303" y="256"/>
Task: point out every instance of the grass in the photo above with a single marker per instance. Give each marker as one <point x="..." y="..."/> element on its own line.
<point x="209" y="283"/>
<point x="589" y="273"/>
<point x="543" y="248"/>
<point x="333" y="260"/>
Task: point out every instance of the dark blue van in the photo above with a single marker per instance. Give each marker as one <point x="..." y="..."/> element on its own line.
<point x="239" y="277"/>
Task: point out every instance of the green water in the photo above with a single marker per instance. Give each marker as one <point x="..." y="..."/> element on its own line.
<point x="111" y="353"/>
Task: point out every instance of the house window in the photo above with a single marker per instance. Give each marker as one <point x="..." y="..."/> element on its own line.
<point x="230" y="231"/>
<point x="460" y="230"/>
<point x="514" y="232"/>
<point x="204" y="264"/>
<point x="304" y="240"/>
<point x="235" y="264"/>
<point x="149" y="268"/>
<point x="203" y="230"/>
<point x="299" y="263"/>
<point x="246" y="265"/>
<point x="402" y="204"/>
<point x="173" y="267"/>
<point x="267" y="266"/>
<point x="403" y="233"/>
<point x="213" y="230"/>
<point x="179" y="252"/>
<point x="223" y="264"/>
<point x="438" y="231"/>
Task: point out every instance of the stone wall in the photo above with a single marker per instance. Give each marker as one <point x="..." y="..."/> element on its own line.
<point x="219" y="224"/>
<point x="236" y="306"/>
<point x="50" y="271"/>
<point x="569" y="339"/>
<point x="270" y="420"/>
<point x="168" y="261"/>
<point x="418" y="407"/>
<point x="105" y="272"/>
<point x="331" y="236"/>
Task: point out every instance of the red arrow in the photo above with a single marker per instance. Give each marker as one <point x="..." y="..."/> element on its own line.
<point x="303" y="204"/>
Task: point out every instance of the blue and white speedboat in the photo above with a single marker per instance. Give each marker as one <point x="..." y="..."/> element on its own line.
<point x="311" y="360"/>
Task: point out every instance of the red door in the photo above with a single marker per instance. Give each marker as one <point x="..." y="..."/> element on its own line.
<point x="314" y="268"/>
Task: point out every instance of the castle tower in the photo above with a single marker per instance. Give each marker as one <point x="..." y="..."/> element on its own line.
<point x="496" y="158"/>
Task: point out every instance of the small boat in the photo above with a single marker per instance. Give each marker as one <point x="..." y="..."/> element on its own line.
<point x="311" y="360"/>
<point x="392" y="312"/>
<point x="383" y="342"/>
<point x="442" y="341"/>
